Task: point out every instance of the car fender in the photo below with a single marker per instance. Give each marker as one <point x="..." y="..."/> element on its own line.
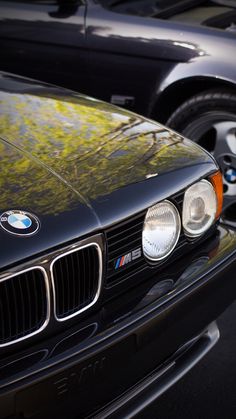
<point x="187" y="79"/>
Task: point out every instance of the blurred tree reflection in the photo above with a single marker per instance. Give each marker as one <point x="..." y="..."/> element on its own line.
<point x="94" y="147"/>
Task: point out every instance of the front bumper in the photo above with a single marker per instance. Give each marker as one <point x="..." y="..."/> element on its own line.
<point x="122" y="358"/>
<point x="134" y="401"/>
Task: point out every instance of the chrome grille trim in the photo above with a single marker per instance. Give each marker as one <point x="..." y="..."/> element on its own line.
<point x="47" y="317"/>
<point x="100" y="261"/>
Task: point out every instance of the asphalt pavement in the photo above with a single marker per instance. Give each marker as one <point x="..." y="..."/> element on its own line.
<point x="209" y="390"/>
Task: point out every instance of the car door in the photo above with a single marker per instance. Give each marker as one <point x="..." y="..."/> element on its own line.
<point x="45" y="39"/>
<point x="127" y="57"/>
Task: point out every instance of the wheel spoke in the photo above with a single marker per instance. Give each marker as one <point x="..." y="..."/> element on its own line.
<point x="225" y="138"/>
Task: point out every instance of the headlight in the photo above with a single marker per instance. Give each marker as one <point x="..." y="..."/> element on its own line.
<point x="161" y="230"/>
<point x="199" y="208"/>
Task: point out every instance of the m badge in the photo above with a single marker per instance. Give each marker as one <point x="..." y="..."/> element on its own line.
<point x="129" y="257"/>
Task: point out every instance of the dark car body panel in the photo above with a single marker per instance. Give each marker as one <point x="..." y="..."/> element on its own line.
<point x="132" y="336"/>
<point x="92" y="164"/>
<point x="89" y="171"/>
<point x="134" y="61"/>
<point x="37" y="34"/>
<point x="143" y="56"/>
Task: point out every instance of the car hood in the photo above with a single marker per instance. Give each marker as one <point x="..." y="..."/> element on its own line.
<point x="81" y="165"/>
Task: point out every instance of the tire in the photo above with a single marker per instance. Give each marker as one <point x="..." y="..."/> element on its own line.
<point x="209" y="118"/>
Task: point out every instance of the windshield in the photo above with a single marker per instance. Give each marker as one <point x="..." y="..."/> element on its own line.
<point x="160" y="8"/>
<point x="160" y="4"/>
<point x="147" y="7"/>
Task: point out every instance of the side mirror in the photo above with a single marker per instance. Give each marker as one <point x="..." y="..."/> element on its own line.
<point x="66" y="8"/>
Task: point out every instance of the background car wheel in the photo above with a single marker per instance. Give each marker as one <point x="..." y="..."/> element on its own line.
<point x="209" y="118"/>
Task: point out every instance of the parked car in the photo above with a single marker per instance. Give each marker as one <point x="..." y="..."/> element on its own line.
<point x="113" y="265"/>
<point x="173" y="61"/>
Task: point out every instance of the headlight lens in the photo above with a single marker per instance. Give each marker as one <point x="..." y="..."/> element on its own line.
<point x="161" y="230"/>
<point x="199" y="208"/>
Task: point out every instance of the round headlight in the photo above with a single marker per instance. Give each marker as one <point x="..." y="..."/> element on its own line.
<point x="161" y="230"/>
<point x="199" y="208"/>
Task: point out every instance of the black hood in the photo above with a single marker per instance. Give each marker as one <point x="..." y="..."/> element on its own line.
<point x="81" y="165"/>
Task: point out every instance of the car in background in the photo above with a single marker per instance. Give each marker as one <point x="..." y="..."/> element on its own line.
<point x="173" y="61"/>
<point x="113" y="265"/>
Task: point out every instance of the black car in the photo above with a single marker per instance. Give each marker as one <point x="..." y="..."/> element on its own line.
<point x="173" y="61"/>
<point x="113" y="264"/>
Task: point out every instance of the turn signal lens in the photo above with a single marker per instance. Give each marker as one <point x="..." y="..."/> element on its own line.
<point x="217" y="183"/>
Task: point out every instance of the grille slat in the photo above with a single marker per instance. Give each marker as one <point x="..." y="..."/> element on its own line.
<point x="14" y="302"/>
<point x="77" y="276"/>
<point x="74" y="294"/>
<point x="87" y="257"/>
<point x="63" y="299"/>
<point x="35" y="312"/>
<point x="21" y="299"/>
<point x="8" y="311"/>
<point x="122" y="239"/>
<point x="125" y="248"/>
<point x="137" y="235"/>
<point x="130" y="230"/>
<point x="67" y="289"/>
<point x="29" y="314"/>
<point x="22" y="312"/>
<point x="82" y="283"/>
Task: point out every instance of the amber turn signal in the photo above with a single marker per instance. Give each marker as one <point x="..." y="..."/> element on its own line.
<point x="217" y="183"/>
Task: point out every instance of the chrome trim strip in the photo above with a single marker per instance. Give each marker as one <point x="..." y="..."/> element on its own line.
<point x="99" y="251"/>
<point x="46" y="280"/>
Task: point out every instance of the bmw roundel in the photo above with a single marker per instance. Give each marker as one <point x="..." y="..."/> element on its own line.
<point x="21" y="223"/>
<point x="230" y="175"/>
